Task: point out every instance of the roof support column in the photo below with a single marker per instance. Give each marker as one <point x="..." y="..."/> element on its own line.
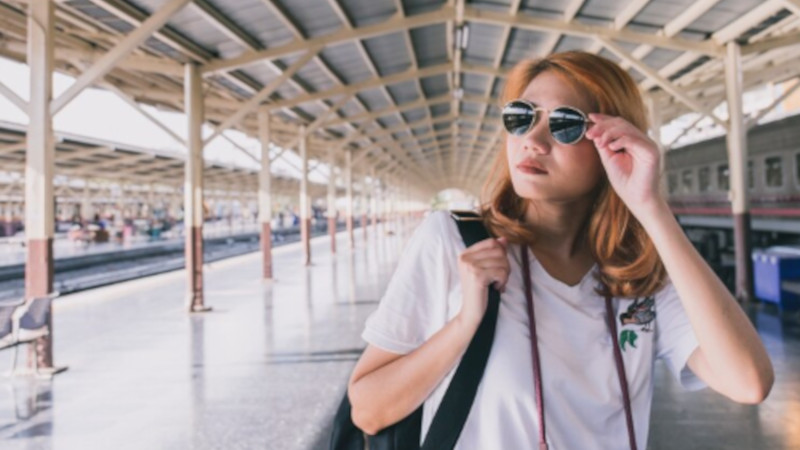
<point x="39" y="172"/>
<point x="364" y="206"/>
<point x="265" y="193"/>
<point x="655" y="134"/>
<point x="305" y="200"/>
<point x="87" y="212"/>
<point x="374" y="202"/>
<point x="331" y="213"/>
<point x="348" y="174"/>
<point x="193" y="190"/>
<point x="737" y="158"/>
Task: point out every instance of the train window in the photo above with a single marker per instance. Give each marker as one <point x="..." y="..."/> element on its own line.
<point x="686" y="181"/>
<point x="704" y="179"/>
<point x="723" y="180"/>
<point x="751" y="181"/>
<point x="672" y="181"/>
<point x="773" y="171"/>
<point x="797" y="166"/>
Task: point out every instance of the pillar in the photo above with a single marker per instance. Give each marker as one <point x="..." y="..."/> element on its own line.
<point x="40" y="167"/>
<point x="305" y="200"/>
<point x="364" y="203"/>
<point x="374" y="201"/>
<point x="265" y="194"/>
<point x="87" y="212"/>
<point x="331" y="213"/>
<point x="737" y="158"/>
<point x="349" y="192"/>
<point x="193" y="189"/>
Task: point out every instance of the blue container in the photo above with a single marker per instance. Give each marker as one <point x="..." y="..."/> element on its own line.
<point x="771" y="268"/>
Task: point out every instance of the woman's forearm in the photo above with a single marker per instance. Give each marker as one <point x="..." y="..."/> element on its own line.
<point x="385" y="396"/>
<point x="737" y="360"/>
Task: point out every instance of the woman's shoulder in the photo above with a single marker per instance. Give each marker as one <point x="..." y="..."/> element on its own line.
<point x="440" y="224"/>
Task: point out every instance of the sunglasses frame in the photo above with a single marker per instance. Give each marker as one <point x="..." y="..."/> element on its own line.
<point x="535" y="110"/>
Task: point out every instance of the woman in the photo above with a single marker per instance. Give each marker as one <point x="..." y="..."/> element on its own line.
<point x="580" y="200"/>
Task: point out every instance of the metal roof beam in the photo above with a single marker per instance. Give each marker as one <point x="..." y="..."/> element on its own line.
<point x="264" y="93"/>
<point x="364" y="85"/>
<point x="651" y="73"/>
<point x="120" y="51"/>
<point x="395" y="23"/>
<point x="593" y="31"/>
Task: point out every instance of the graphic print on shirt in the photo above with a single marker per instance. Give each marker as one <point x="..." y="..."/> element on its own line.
<point x="638" y="313"/>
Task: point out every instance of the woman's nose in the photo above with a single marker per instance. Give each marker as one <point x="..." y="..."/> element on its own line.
<point x="538" y="138"/>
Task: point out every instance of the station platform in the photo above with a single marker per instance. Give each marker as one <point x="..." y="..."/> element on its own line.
<point x="267" y="367"/>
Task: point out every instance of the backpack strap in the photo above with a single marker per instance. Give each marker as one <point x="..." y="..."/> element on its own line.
<point x="457" y="402"/>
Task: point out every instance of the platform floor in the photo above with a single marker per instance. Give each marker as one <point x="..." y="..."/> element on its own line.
<point x="267" y="367"/>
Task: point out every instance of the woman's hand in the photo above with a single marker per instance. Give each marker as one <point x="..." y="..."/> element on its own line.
<point x="480" y="265"/>
<point x="631" y="160"/>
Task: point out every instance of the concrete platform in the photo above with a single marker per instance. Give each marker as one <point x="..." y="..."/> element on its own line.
<point x="267" y="367"/>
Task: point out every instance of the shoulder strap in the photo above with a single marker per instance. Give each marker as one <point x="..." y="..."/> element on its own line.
<point x="457" y="402"/>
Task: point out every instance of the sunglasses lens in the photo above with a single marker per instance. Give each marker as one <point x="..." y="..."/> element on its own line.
<point x="517" y="117"/>
<point x="567" y="125"/>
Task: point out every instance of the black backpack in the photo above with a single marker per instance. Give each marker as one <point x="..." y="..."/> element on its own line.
<point x="457" y="402"/>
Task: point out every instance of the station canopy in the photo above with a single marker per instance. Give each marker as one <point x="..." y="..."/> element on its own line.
<point x="411" y="87"/>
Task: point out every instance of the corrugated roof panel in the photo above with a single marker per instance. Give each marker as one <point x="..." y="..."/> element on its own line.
<point x="414" y="115"/>
<point x="404" y="92"/>
<point x="287" y="90"/>
<point x="389" y="121"/>
<point x="313" y="17"/>
<point x="722" y="14"/>
<point x="367" y="12"/>
<point x="375" y="99"/>
<point x="101" y="15"/>
<point x="523" y="44"/>
<point x="439" y="110"/>
<point x="491" y="5"/>
<point x="430" y="44"/>
<point x="197" y="28"/>
<point x="435" y="86"/>
<point x="351" y="108"/>
<point x="483" y="44"/>
<point x="472" y="109"/>
<point x="573" y="43"/>
<point x="389" y="53"/>
<point x="659" y="13"/>
<point x="347" y="62"/>
<point x="474" y="83"/>
<point x="603" y="10"/>
<point x="315" y="77"/>
<point x="660" y="57"/>
<point x="420" y="6"/>
<point x="256" y="19"/>
<point x="546" y="9"/>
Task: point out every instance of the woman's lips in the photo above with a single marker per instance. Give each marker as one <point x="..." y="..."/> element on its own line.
<point x="531" y="170"/>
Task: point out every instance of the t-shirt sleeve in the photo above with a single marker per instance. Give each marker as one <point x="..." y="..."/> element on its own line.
<point x="675" y="338"/>
<point x="416" y="296"/>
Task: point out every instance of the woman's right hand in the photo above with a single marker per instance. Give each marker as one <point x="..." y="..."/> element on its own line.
<point x="479" y="266"/>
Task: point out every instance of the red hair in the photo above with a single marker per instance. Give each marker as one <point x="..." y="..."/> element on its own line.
<point x="628" y="262"/>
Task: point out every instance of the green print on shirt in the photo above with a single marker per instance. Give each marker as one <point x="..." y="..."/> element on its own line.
<point x="628" y="336"/>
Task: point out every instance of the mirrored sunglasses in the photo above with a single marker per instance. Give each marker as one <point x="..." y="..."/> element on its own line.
<point x="567" y="125"/>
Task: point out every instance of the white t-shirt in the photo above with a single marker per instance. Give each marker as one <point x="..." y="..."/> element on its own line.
<point x="583" y="400"/>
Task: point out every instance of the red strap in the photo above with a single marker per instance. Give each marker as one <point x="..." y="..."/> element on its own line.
<point x="623" y="380"/>
<point x="537" y="374"/>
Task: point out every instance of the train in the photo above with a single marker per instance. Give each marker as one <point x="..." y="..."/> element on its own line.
<point x="697" y="179"/>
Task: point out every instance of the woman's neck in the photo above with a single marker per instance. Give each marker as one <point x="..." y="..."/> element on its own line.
<point x="559" y="228"/>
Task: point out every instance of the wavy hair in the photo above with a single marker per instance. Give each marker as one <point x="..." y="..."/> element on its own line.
<point x="628" y="262"/>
